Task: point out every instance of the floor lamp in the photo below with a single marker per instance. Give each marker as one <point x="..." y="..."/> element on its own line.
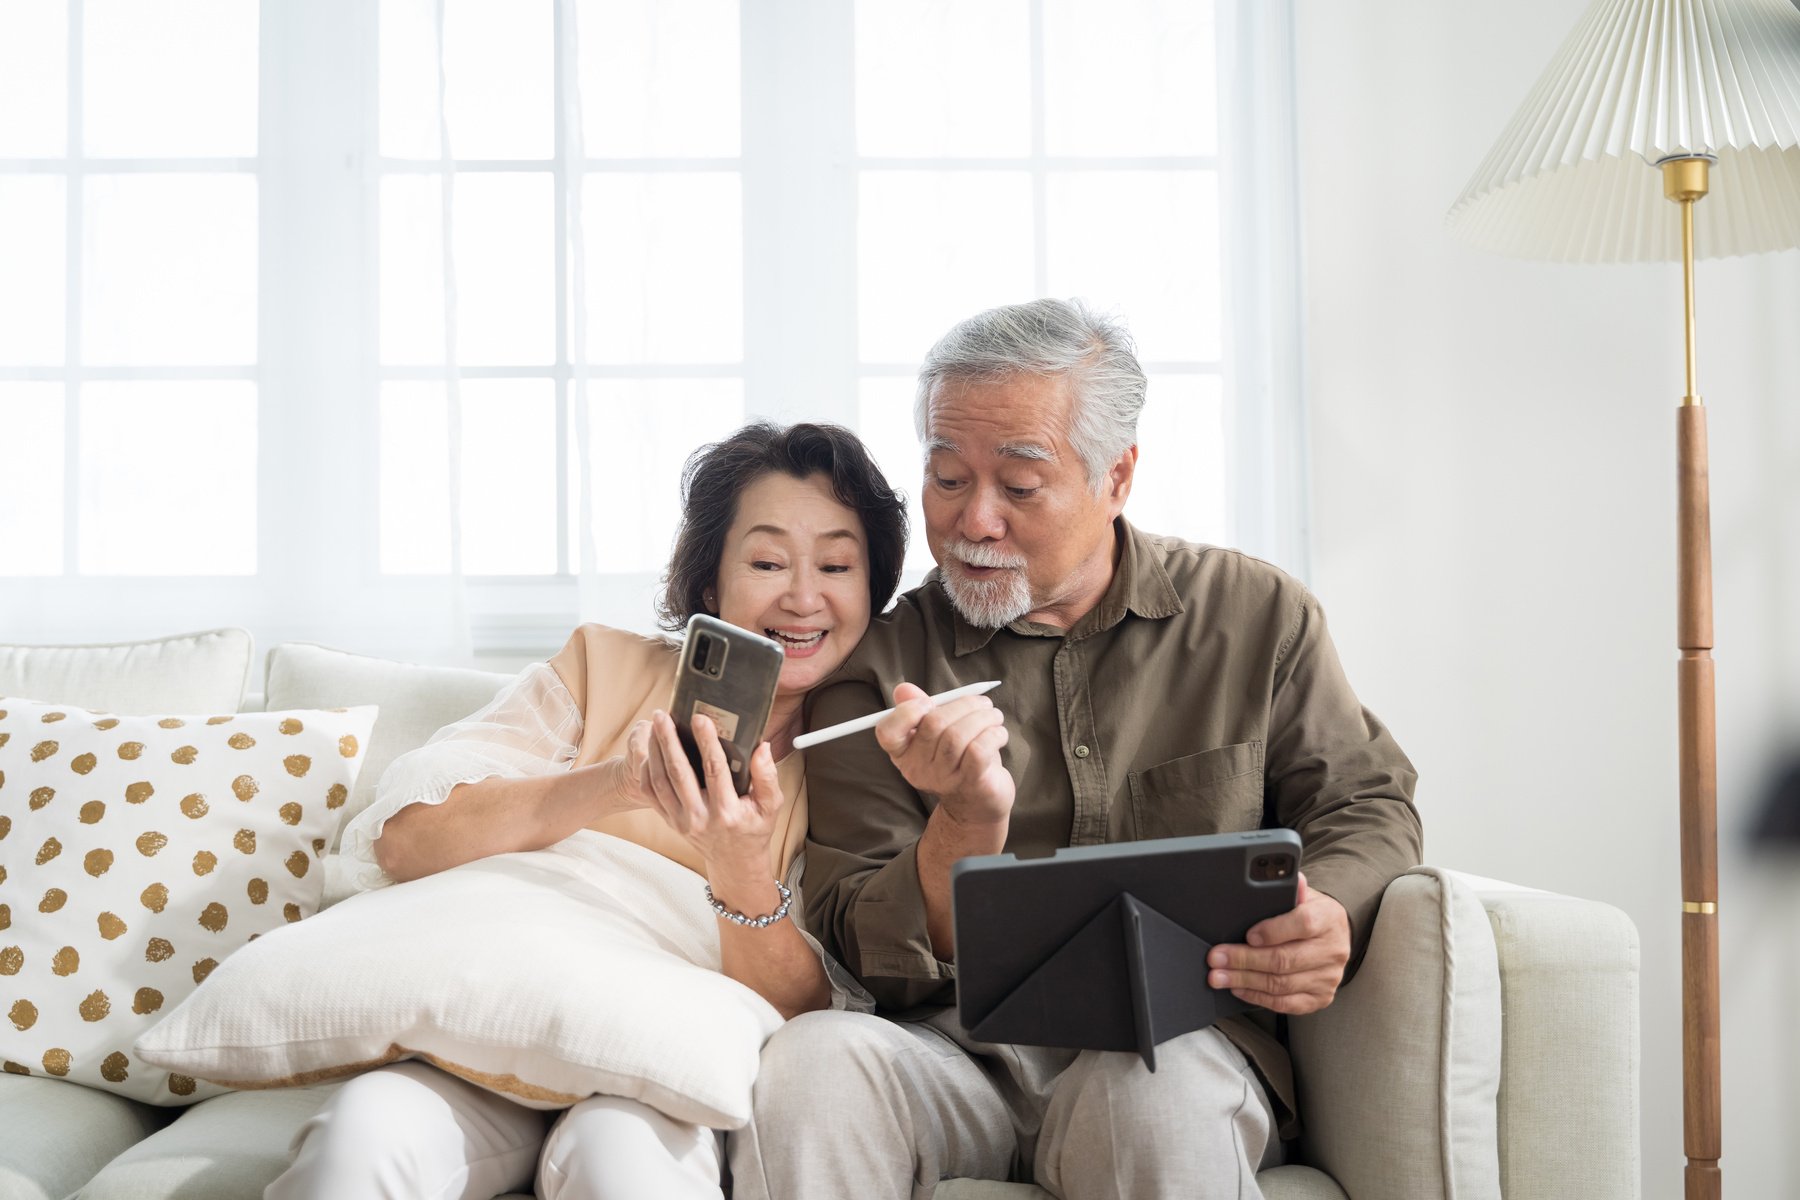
<point x="1650" y="101"/>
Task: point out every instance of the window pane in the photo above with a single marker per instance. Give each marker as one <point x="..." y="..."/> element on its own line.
<point x="885" y="424"/>
<point x="665" y="267"/>
<point x="508" y="477"/>
<point x="935" y="247"/>
<point x="168" y="478"/>
<point x="505" y="272"/>
<point x="499" y="60"/>
<point x="1181" y="486"/>
<point x="33" y="268"/>
<point x="1147" y="244"/>
<point x="169" y="270"/>
<point x="943" y="78"/>
<point x="640" y="432"/>
<point x="1130" y="77"/>
<point x="34" y="79"/>
<point x="659" y="79"/>
<point x="415" y="479"/>
<point x="169" y="77"/>
<point x="31" y="478"/>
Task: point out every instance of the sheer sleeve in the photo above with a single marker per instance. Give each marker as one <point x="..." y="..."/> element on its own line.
<point x="531" y="728"/>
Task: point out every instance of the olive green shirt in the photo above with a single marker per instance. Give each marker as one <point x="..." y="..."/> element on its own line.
<point x="1201" y="695"/>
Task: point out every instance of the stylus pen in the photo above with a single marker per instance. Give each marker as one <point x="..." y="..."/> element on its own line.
<point x="869" y="722"/>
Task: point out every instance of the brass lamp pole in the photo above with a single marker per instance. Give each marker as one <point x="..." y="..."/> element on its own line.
<point x="1685" y="181"/>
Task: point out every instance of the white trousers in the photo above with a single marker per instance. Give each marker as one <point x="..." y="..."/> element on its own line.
<point x="412" y="1132"/>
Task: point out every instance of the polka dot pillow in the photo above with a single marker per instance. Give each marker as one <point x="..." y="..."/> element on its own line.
<point x="135" y="854"/>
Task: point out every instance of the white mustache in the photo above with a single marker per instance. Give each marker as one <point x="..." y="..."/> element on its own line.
<point x="975" y="554"/>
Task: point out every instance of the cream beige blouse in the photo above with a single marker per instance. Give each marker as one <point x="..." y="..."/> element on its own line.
<point x="572" y="711"/>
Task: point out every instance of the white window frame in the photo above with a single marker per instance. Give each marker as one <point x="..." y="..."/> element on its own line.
<point x="318" y="372"/>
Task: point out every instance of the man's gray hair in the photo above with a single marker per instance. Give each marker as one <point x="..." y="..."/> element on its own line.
<point x="1050" y="337"/>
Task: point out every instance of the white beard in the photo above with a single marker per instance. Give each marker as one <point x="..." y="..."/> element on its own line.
<point x="991" y="603"/>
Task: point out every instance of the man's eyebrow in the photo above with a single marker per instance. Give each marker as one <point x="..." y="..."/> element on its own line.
<point x="1031" y="451"/>
<point x="1027" y="450"/>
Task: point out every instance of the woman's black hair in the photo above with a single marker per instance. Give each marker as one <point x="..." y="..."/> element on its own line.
<point x="716" y="476"/>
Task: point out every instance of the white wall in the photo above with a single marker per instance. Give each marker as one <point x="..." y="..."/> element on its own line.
<point x="1493" y="502"/>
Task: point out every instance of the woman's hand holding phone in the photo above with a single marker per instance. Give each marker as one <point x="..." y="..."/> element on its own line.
<point x="731" y="831"/>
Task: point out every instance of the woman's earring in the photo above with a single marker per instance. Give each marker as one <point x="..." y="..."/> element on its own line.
<point x="706" y="597"/>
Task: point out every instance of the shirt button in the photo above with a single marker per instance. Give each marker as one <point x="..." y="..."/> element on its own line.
<point x="1081" y="752"/>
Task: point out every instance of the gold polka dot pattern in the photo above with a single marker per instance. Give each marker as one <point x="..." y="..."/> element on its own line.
<point x="106" y="937"/>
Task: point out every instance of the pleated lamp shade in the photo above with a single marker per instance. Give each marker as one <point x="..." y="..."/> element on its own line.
<point x="1639" y="81"/>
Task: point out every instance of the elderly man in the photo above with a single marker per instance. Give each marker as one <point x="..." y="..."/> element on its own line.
<point x="1152" y="688"/>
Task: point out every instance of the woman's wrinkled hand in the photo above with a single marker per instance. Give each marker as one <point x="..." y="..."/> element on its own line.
<point x="732" y="832"/>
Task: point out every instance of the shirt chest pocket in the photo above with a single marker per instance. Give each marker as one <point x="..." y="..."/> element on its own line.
<point x="1214" y="791"/>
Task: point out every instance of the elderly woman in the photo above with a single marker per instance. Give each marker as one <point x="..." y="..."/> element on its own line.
<point x="792" y="533"/>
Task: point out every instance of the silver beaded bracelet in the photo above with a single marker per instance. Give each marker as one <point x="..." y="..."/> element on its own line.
<point x="762" y="922"/>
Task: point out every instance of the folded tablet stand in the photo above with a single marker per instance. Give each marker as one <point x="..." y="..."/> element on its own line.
<point x="1161" y="994"/>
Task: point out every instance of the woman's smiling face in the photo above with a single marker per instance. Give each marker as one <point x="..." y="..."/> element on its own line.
<point x="796" y="569"/>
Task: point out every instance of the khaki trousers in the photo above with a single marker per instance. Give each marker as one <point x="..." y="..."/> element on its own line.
<point x="850" y="1105"/>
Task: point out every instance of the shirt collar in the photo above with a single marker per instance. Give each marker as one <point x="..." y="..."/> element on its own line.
<point x="1139" y="586"/>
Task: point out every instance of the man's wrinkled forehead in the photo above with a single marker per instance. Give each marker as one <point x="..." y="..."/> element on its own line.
<point x="1022" y="417"/>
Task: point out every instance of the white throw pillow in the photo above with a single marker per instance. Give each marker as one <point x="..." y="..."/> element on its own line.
<point x="190" y="672"/>
<point x="136" y="853"/>
<point x="548" y="976"/>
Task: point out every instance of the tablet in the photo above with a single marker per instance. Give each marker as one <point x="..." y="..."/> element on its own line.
<point x="1104" y="947"/>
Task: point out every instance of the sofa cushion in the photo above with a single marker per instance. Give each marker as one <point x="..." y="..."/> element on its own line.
<point x="1398" y="1078"/>
<point x="590" y="967"/>
<point x="57" y="1136"/>
<point x="192" y="672"/>
<point x="228" y="1148"/>
<point x="138" y="852"/>
<point x="415" y="701"/>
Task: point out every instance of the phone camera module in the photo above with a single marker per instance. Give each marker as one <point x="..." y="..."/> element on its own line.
<point x="1267" y="868"/>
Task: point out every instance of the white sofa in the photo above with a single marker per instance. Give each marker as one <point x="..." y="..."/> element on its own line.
<point x="1488" y="1046"/>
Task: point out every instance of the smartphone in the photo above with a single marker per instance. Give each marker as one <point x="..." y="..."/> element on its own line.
<point x="727" y="674"/>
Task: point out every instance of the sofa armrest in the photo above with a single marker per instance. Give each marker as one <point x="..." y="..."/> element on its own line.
<point x="1568" y="1103"/>
<point x="1397" y="1080"/>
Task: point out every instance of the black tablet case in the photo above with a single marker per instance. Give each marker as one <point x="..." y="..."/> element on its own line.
<point x="1104" y="947"/>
